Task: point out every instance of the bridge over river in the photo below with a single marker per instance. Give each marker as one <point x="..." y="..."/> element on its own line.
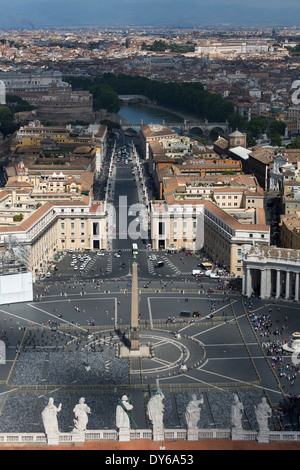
<point x="205" y="127"/>
<point x="184" y="127"/>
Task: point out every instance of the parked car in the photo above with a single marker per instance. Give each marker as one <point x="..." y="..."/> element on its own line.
<point x="185" y="313"/>
<point x="159" y="264"/>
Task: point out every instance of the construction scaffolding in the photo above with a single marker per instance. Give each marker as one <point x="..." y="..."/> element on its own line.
<point x="14" y="257"/>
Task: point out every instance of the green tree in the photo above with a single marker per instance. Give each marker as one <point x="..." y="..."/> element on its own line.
<point x="104" y="97"/>
<point x="295" y="144"/>
<point x="277" y="127"/>
<point x="276" y="139"/>
<point x="257" y="126"/>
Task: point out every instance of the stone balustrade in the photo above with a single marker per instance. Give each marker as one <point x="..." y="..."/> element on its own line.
<point x="113" y="435"/>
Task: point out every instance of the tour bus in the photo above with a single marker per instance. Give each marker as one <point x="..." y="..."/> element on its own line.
<point x="135" y="249"/>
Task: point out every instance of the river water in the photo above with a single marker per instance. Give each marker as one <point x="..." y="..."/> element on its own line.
<point x="137" y="113"/>
<point x="142" y="113"/>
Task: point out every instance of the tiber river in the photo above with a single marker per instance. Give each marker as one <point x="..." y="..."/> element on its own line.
<point x="137" y="113"/>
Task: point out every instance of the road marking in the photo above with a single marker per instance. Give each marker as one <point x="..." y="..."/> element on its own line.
<point x="237" y="380"/>
<point x="20" y="318"/>
<point x="56" y="318"/>
<point x="150" y="311"/>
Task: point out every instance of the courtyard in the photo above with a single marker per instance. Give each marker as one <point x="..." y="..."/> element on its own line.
<point x="64" y="345"/>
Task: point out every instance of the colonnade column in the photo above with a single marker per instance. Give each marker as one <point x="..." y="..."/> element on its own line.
<point x="268" y="287"/>
<point x="263" y="277"/>
<point x="296" y="287"/>
<point x="248" y="282"/>
<point x="287" y="285"/>
<point x="278" y="283"/>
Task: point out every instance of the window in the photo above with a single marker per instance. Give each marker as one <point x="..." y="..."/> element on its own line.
<point x="161" y="228"/>
<point x="95" y="228"/>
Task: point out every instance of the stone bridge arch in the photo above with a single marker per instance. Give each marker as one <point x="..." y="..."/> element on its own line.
<point x="197" y="130"/>
<point x="216" y="131"/>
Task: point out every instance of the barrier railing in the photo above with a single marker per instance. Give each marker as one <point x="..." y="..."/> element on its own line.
<point x="112" y="435"/>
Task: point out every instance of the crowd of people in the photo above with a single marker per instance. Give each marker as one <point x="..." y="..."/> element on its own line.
<point x="271" y="326"/>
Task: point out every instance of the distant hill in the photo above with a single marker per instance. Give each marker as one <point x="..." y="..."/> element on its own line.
<point x="188" y="13"/>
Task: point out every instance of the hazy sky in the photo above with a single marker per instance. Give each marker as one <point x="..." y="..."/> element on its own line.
<point x="23" y="13"/>
<point x="252" y="3"/>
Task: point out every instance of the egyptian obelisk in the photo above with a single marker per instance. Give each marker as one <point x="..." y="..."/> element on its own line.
<point x="134" y="336"/>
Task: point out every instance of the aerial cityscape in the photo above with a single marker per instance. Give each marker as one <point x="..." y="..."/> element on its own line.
<point x="149" y="227"/>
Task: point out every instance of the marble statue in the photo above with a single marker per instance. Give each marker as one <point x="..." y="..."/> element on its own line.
<point x="49" y="417"/>
<point x="237" y="410"/>
<point x="263" y="412"/>
<point x="192" y="413"/>
<point x="81" y="411"/>
<point x="122" y="418"/>
<point x="155" y="410"/>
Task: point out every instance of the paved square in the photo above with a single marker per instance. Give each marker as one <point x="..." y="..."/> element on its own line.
<point x="65" y="344"/>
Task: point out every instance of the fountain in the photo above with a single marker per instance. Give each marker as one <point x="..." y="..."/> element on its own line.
<point x="294" y="345"/>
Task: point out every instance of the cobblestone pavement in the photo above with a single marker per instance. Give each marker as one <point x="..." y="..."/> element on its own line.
<point x="64" y="346"/>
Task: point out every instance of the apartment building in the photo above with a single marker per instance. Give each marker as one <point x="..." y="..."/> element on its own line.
<point x="51" y="213"/>
<point x="35" y="134"/>
<point x="57" y="227"/>
<point x="232" y="48"/>
<point x="82" y="147"/>
<point x="38" y="81"/>
<point x="223" y="216"/>
<point x="203" y="225"/>
<point x="290" y="231"/>
<point x="292" y="120"/>
<point x="154" y="132"/>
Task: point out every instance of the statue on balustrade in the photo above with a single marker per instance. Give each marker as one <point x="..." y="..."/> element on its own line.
<point x="122" y="416"/>
<point x="49" y="417"/>
<point x="263" y="412"/>
<point x="81" y="411"/>
<point x="237" y="410"/>
<point x="155" y="411"/>
<point x="192" y="413"/>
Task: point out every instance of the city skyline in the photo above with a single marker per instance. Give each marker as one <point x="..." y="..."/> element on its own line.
<point x="55" y="13"/>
